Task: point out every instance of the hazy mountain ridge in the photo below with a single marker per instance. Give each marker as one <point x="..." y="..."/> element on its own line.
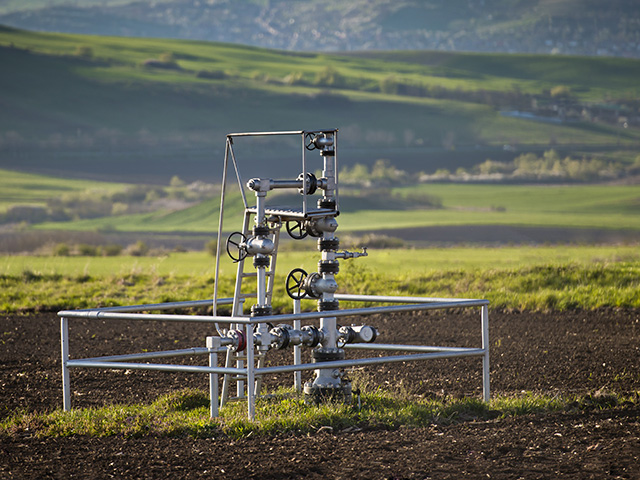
<point x="577" y="27"/>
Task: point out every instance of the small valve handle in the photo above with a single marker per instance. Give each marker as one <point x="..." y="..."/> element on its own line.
<point x="236" y="246"/>
<point x="296" y="229"/>
<point x="295" y="283"/>
<point x="310" y="141"/>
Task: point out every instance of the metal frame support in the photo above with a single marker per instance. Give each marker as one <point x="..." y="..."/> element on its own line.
<point x="249" y="370"/>
<point x="66" y="382"/>
<point x="297" y="350"/>
<point x="486" y="391"/>
<point x="248" y="355"/>
<point x="214" y="345"/>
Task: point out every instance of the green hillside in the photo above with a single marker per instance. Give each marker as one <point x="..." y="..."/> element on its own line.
<point x="35" y="190"/>
<point x="581" y="206"/>
<point x="98" y="105"/>
<point x="570" y="27"/>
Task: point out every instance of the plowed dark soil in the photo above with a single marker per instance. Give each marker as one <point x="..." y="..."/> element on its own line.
<point x="578" y="352"/>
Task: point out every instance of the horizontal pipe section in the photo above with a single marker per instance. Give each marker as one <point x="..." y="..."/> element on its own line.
<point x="148" y="355"/>
<point x="99" y="314"/>
<point x="264" y="134"/>
<point x="155" y="366"/>
<point x="359" y="362"/>
<point x="267" y="134"/>
<point x="404" y="348"/>
<point x="159" y="306"/>
<point x="396" y="299"/>
<point x="371" y="310"/>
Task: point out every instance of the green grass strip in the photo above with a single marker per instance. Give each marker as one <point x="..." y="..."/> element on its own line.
<point x="186" y="413"/>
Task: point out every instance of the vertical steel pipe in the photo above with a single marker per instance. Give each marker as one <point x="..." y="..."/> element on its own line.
<point x="220" y="219"/>
<point x="226" y="379"/>
<point x="486" y="392"/>
<point x="297" y="349"/>
<point x="64" y="342"/>
<point x="213" y="344"/>
<point x="251" y="398"/>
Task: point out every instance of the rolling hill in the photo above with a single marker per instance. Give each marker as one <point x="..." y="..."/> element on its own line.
<point x="583" y="27"/>
<point x="132" y="109"/>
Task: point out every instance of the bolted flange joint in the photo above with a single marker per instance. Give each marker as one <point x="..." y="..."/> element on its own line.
<point x="261" y="310"/>
<point x="328" y="244"/>
<point x="328" y="305"/>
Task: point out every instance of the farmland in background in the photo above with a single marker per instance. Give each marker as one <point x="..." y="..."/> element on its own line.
<point x="575" y="206"/>
<point x="143" y="110"/>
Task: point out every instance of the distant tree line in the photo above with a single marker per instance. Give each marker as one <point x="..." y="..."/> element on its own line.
<point x="95" y="204"/>
<point x="550" y="167"/>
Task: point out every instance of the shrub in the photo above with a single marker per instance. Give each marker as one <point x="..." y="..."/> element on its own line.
<point x="87" y="250"/>
<point x="111" y="250"/>
<point x="61" y="250"/>
<point x="330" y="77"/>
<point x="24" y="213"/>
<point x="84" y="51"/>
<point x="211" y="74"/>
<point x="139" y="249"/>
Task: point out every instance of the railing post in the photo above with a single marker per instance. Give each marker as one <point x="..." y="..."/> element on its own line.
<point x="297" y="350"/>
<point x="251" y="396"/>
<point x="486" y="392"/>
<point x="213" y="343"/>
<point x="64" y="342"/>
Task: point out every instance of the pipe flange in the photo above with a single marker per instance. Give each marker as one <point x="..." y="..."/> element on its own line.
<point x="313" y="335"/>
<point x="261" y="311"/>
<point x="327" y="203"/>
<point x="328" y="305"/>
<point x="261" y="261"/>
<point x="282" y="335"/>
<point x="328" y="243"/>
<point x="310" y="185"/>
<point x="238" y="340"/>
<point x="329" y="266"/>
<point x="327" y="355"/>
<point x="260" y="230"/>
<point x="328" y="153"/>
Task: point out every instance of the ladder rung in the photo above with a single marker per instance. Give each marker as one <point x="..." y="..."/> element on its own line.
<point x="246" y="295"/>
<point x="254" y="274"/>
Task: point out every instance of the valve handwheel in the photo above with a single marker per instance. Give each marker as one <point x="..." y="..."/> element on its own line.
<point x="310" y="141"/>
<point x="235" y="246"/>
<point x="296" y="230"/>
<point x="295" y="284"/>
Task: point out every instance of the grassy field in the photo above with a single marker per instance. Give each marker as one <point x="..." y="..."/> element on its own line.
<point x="531" y="278"/>
<point x="414" y="261"/>
<point x="576" y="206"/>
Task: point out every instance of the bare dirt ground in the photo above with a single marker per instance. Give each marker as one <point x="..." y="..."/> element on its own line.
<point x="577" y="352"/>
